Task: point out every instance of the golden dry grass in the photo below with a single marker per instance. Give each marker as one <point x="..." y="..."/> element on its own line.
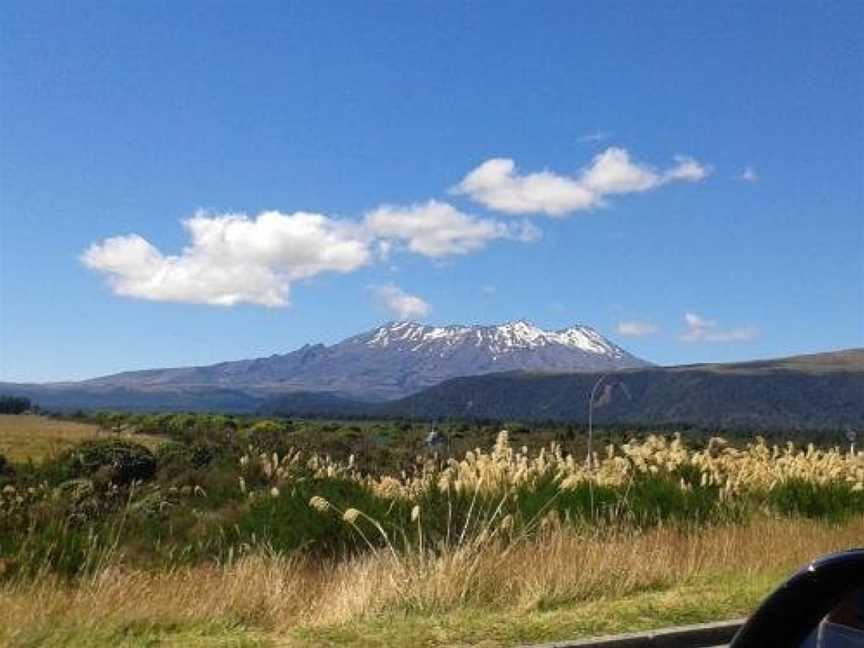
<point x="735" y="471"/>
<point x="25" y="437"/>
<point x="718" y="571"/>
<point x="498" y="585"/>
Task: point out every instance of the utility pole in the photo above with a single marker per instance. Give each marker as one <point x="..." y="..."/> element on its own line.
<point x="591" y="421"/>
<point x="617" y="382"/>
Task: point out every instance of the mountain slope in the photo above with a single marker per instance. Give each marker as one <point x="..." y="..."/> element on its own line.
<point x="816" y="391"/>
<point x="395" y="360"/>
<point x="823" y="391"/>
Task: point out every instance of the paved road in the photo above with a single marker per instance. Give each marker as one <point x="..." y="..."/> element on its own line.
<point x="704" y="635"/>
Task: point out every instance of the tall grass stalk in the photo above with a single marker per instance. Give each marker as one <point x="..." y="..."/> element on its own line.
<point x="277" y="593"/>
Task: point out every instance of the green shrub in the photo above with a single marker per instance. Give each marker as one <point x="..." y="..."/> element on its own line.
<point x="202" y="453"/>
<point x="60" y="547"/>
<point x="656" y="500"/>
<point x="834" y="501"/>
<point x="118" y="461"/>
<point x="287" y="522"/>
<point x="269" y="437"/>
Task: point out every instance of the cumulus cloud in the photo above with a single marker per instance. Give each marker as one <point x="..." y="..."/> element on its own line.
<point x="400" y="304"/>
<point x="700" y="329"/>
<point x="437" y="229"/>
<point x="686" y="169"/>
<point x="635" y="328"/>
<point x="613" y="172"/>
<point x="498" y="185"/>
<point x="232" y="258"/>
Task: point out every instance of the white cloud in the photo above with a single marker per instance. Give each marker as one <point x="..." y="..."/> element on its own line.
<point x="686" y="169"/>
<point x="437" y="229"/>
<point x="497" y="185"/>
<point x="635" y="328"/>
<point x="700" y="329"/>
<point x="613" y="172"/>
<point x="594" y="138"/>
<point x="749" y="175"/>
<point x="399" y="303"/>
<point x="232" y="258"/>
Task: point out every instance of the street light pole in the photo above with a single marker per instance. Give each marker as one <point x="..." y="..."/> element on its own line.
<point x="591" y="421"/>
<point x="851" y="435"/>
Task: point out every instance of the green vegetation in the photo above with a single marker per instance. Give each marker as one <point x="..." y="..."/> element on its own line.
<point x="817" y="393"/>
<point x="328" y="510"/>
<point x="34" y="438"/>
<point x="13" y="404"/>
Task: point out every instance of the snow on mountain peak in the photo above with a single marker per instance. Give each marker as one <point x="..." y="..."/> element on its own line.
<point x="510" y="336"/>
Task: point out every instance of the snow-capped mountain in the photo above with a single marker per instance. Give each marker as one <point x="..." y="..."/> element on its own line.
<point x="396" y="359"/>
<point x="498" y="340"/>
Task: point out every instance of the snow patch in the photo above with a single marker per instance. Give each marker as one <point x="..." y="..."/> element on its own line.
<point x="500" y="339"/>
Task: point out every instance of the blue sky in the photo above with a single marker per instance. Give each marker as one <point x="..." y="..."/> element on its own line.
<point x="685" y="177"/>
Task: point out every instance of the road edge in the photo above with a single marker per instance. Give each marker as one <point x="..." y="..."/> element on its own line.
<point x="690" y="636"/>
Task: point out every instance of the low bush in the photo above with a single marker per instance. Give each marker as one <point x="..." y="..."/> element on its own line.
<point x="112" y="460"/>
<point x="286" y="522"/>
<point x="7" y="471"/>
<point x="832" y="501"/>
<point x="269" y="436"/>
<point x="204" y="500"/>
<point x="172" y="460"/>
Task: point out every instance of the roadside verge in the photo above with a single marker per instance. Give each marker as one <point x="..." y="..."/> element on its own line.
<point x="703" y="635"/>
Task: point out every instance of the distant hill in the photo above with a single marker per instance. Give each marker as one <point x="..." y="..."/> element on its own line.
<point x="814" y="391"/>
<point x="820" y="391"/>
<point x="73" y="396"/>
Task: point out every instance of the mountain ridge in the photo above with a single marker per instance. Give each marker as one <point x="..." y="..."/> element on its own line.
<point x="814" y="391"/>
<point x="390" y="361"/>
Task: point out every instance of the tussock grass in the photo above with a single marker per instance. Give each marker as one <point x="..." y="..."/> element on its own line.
<point x="265" y="596"/>
<point x="218" y="541"/>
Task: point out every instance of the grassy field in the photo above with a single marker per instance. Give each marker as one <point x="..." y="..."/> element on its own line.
<point x="246" y="532"/>
<point x="562" y="585"/>
<point x="25" y="437"/>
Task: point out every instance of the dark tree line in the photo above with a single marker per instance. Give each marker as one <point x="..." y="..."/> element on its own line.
<point x="14" y="404"/>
